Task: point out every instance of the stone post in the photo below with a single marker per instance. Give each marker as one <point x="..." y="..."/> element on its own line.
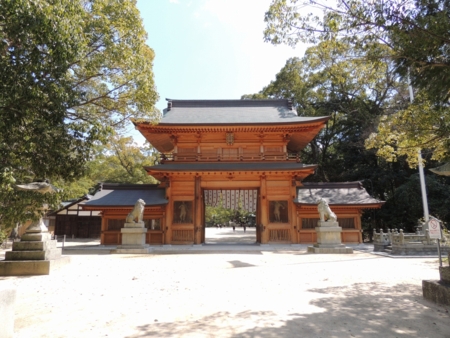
<point x="329" y="239"/>
<point x="133" y="239"/>
<point x="134" y="232"/>
<point x="328" y="232"/>
<point x="438" y="291"/>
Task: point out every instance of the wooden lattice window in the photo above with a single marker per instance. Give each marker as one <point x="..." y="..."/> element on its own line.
<point x="309" y="223"/>
<point x="183" y="235"/>
<point x="279" y="235"/>
<point x="115" y="224"/>
<point x="347" y="223"/>
<point x="344" y="223"/>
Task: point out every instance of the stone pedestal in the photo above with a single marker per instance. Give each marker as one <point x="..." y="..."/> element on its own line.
<point x="438" y="291"/>
<point x="133" y="239"/>
<point x="329" y="239"/>
<point x="35" y="254"/>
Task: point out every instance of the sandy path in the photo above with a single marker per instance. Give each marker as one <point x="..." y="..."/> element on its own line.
<point x="247" y="294"/>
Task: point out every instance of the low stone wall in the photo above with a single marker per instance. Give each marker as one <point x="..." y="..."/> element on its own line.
<point x="417" y="249"/>
<point x="408" y="244"/>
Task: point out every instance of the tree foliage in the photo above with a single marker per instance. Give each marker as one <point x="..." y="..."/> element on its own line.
<point x="333" y="80"/>
<point x="405" y="208"/>
<point x="416" y="35"/>
<point x="422" y="125"/>
<point x="119" y="161"/>
<point x="122" y="161"/>
<point x="72" y="72"/>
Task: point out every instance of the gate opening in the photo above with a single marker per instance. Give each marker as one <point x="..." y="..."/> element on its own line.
<point x="230" y="216"/>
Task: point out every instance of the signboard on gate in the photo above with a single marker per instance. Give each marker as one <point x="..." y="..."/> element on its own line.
<point x="434" y="228"/>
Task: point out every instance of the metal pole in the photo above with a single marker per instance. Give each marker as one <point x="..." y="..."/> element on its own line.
<point x="64" y="241"/>
<point x="422" y="177"/>
<point x="424" y="190"/>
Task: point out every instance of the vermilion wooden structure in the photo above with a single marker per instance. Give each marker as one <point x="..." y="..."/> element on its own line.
<point x="241" y="145"/>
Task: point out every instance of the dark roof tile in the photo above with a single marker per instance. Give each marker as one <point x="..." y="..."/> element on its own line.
<point x="230" y="112"/>
<point x="340" y="193"/>
<point x="127" y="195"/>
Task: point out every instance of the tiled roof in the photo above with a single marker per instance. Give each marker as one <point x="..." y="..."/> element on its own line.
<point x="112" y="195"/>
<point x="68" y="204"/>
<point x="343" y="193"/>
<point x="231" y="112"/>
<point x="443" y="170"/>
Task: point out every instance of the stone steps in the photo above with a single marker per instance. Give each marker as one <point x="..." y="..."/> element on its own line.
<point x="33" y="255"/>
<point x="34" y="246"/>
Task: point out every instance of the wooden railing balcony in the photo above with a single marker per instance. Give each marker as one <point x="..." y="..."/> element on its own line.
<point x="208" y="157"/>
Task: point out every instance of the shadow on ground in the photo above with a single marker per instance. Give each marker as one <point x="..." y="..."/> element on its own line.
<point x="360" y="310"/>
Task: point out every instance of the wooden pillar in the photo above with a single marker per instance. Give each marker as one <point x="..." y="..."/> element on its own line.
<point x="264" y="211"/>
<point x="163" y="227"/>
<point x="198" y="211"/>
<point x="293" y="212"/>
<point x="358" y="225"/>
<point x="103" y="229"/>
<point x="258" y="216"/>
<point x="203" y="228"/>
<point x="169" y="216"/>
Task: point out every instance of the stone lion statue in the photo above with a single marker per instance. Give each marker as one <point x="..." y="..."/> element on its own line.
<point x="325" y="211"/>
<point x="137" y="212"/>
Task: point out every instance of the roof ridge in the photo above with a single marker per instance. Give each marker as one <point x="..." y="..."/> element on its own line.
<point x="127" y="186"/>
<point x="230" y="103"/>
<point x="309" y="185"/>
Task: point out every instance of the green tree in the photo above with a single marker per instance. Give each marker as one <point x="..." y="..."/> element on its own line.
<point x="417" y="32"/>
<point x="120" y="161"/>
<point x="417" y="37"/>
<point x="405" y="208"/>
<point x="332" y="80"/>
<point x="72" y="72"/>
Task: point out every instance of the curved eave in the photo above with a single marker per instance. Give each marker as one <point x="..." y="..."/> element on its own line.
<point x="318" y="120"/>
<point x="295" y="169"/>
<point x="229" y="166"/>
<point x="302" y="132"/>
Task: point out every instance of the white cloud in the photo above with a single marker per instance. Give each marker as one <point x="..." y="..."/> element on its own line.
<point x="174" y="1"/>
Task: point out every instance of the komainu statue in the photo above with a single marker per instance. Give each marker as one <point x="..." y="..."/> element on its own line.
<point x="137" y="212"/>
<point x="325" y="212"/>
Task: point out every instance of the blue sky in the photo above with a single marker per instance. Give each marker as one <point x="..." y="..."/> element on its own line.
<point x="210" y="49"/>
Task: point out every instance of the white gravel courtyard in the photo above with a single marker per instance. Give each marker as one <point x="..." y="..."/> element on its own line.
<point x="229" y="291"/>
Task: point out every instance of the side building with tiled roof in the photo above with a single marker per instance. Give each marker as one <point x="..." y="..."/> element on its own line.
<point x="346" y="199"/>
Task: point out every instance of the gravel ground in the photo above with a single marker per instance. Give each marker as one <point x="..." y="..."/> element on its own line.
<point x="229" y="291"/>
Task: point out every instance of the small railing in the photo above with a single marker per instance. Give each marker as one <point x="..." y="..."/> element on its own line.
<point x="208" y="157"/>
